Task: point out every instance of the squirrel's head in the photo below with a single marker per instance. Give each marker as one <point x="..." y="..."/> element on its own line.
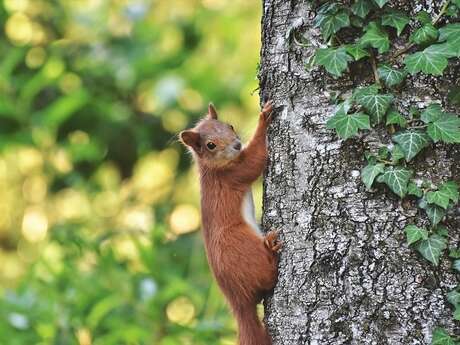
<point x="212" y="142"/>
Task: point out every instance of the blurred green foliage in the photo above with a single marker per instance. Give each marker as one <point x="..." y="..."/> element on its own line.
<point x="98" y="202"/>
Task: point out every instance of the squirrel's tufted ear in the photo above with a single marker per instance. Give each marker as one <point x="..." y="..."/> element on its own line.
<point x="191" y="139"/>
<point x="212" y="113"/>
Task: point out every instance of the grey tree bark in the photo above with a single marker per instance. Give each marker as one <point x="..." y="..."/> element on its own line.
<point x="346" y="275"/>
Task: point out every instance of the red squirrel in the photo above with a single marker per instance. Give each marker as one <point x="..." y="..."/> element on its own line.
<point x="243" y="260"/>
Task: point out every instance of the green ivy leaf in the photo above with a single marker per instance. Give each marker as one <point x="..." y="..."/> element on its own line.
<point x="348" y="125"/>
<point x="457" y="316"/>
<point x="357" y="51"/>
<point x="391" y="76"/>
<point x="334" y="60"/>
<point x="423" y="17"/>
<point x="343" y="107"/>
<point x="450" y="32"/>
<point x="380" y="3"/>
<point x="376" y="104"/>
<point x="397" y="179"/>
<point x="456" y="265"/>
<point x="439" y="198"/>
<point x="446" y="49"/>
<point x="414" y="233"/>
<point x="395" y="118"/>
<point x="424" y="34"/>
<point x="440" y="337"/>
<point x="331" y="22"/>
<point x="383" y="152"/>
<point x="395" y="19"/>
<point x="428" y="61"/>
<point x="411" y="142"/>
<point x="453" y="297"/>
<point x="450" y="188"/>
<point x="361" y="8"/>
<point x="376" y="38"/>
<point x="435" y="214"/>
<point x="396" y="154"/>
<point x="432" y="113"/>
<point x="442" y="231"/>
<point x="446" y="129"/>
<point x="413" y="189"/>
<point x="432" y="248"/>
<point x="370" y="172"/>
<point x="454" y="253"/>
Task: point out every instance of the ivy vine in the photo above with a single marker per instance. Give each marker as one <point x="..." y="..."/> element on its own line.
<point x="429" y="44"/>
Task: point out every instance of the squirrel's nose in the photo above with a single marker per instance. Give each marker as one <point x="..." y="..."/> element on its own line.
<point x="237" y="146"/>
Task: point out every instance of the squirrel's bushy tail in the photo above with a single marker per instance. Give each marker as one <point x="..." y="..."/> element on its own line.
<point x="250" y="329"/>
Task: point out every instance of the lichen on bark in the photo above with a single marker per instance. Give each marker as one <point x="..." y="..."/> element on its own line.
<point x="346" y="274"/>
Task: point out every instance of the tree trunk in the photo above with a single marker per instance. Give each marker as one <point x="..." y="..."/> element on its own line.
<point x="346" y="274"/>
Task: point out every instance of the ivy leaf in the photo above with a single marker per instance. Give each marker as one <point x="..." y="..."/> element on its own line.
<point x="391" y="76"/>
<point x="396" y="178"/>
<point x="414" y="233"/>
<point x="457" y="316"/>
<point x="375" y="38"/>
<point x="447" y="49"/>
<point x="348" y="125"/>
<point x="413" y="189"/>
<point x="446" y="129"/>
<point x="424" y="34"/>
<point x="423" y="17"/>
<point x="395" y="19"/>
<point x="453" y="297"/>
<point x="434" y="213"/>
<point x="450" y="32"/>
<point x="411" y="142"/>
<point x="334" y="60"/>
<point x="376" y="104"/>
<point x="442" y="231"/>
<point x="395" y="118"/>
<point x="361" y="8"/>
<point x="357" y="51"/>
<point x="331" y="22"/>
<point x="439" y="197"/>
<point x="456" y="265"/>
<point x="343" y="108"/>
<point x="381" y="3"/>
<point x="432" y="248"/>
<point x="428" y="61"/>
<point x="440" y="337"/>
<point x="454" y="253"/>
<point x="432" y="113"/>
<point x="396" y="154"/>
<point x="450" y="188"/>
<point x="370" y="172"/>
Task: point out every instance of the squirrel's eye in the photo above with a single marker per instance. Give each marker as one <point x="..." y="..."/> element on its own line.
<point x="233" y="129"/>
<point x="211" y="145"/>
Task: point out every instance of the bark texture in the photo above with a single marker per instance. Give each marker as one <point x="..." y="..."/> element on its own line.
<point x="346" y="274"/>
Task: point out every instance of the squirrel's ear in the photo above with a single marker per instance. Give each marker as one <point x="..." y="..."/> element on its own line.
<point x="212" y="113"/>
<point x="191" y="139"/>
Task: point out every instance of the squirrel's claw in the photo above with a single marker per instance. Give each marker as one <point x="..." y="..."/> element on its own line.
<point x="266" y="113"/>
<point x="271" y="242"/>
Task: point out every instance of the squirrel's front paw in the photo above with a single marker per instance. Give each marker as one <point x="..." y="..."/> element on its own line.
<point x="266" y="113"/>
<point x="271" y="242"/>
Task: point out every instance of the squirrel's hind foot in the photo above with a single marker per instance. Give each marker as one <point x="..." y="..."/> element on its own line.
<point x="271" y="241"/>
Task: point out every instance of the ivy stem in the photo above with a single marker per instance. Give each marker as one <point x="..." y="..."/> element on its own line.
<point x="434" y="22"/>
<point x="374" y="68"/>
<point x="441" y="13"/>
<point x="417" y="127"/>
<point x="386" y="161"/>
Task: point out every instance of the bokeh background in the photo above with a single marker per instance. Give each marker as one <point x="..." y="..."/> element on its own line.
<point x="99" y="213"/>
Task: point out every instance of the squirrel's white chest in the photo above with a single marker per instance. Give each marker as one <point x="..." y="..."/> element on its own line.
<point x="248" y="212"/>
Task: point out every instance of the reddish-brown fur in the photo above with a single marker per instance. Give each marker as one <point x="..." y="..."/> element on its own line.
<point x="244" y="262"/>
